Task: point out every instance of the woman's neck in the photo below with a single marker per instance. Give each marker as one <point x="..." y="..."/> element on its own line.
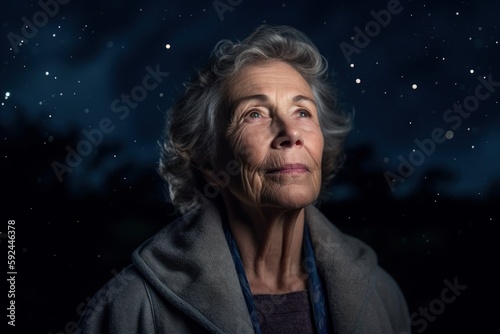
<point x="270" y="245"/>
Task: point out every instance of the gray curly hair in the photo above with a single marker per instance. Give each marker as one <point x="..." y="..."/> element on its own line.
<point x="194" y="121"/>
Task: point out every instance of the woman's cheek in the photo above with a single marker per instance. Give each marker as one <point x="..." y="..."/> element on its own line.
<point x="246" y="140"/>
<point x="238" y="144"/>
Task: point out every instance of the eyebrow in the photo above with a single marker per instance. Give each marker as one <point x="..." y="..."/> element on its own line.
<point x="264" y="98"/>
<point x="303" y="97"/>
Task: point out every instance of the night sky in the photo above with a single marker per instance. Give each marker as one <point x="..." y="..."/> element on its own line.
<point x="421" y="182"/>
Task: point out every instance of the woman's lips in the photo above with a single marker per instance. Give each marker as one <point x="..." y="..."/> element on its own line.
<point x="288" y="169"/>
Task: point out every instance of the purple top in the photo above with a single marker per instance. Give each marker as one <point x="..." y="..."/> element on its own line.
<point x="286" y="313"/>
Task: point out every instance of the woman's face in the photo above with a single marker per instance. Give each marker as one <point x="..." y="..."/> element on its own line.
<point x="275" y="136"/>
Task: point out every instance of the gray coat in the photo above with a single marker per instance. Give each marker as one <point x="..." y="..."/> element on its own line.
<point x="183" y="280"/>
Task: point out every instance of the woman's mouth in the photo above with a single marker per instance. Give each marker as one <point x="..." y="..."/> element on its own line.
<point x="289" y="169"/>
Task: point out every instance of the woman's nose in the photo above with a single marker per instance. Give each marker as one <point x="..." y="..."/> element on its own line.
<point x="288" y="135"/>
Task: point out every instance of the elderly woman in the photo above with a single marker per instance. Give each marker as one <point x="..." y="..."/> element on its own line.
<point x="250" y="146"/>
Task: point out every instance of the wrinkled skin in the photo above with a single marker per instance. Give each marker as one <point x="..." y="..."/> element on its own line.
<point x="275" y="136"/>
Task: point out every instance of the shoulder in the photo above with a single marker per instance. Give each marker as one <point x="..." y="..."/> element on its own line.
<point x="122" y="305"/>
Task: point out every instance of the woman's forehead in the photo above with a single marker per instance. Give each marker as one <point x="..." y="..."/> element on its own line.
<point x="265" y="78"/>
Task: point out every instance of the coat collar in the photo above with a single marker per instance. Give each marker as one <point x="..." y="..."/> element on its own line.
<point x="190" y="265"/>
<point x="347" y="266"/>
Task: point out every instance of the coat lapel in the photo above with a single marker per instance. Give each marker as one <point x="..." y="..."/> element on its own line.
<point x="346" y="265"/>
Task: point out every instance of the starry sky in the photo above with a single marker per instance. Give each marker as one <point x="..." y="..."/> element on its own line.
<point x="64" y="73"/>
<point x="96" y="78"/>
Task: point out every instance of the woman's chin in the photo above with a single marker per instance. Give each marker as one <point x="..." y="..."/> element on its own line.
<point x="290" y="198"/>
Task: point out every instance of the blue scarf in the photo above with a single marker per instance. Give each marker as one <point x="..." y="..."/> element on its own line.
<point x="315" y="285"/>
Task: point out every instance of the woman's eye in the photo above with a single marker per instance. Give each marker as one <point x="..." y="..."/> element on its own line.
<point x="303" y="113"/>
<point x="254" y="114"/>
